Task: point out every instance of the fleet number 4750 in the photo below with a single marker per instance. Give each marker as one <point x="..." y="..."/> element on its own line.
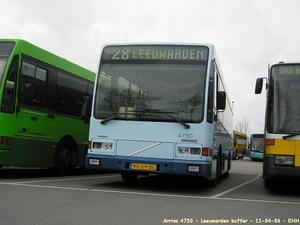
<point x="185" y="135"/>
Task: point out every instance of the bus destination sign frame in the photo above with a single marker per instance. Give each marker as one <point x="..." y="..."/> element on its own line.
<point x="155" y="52"/>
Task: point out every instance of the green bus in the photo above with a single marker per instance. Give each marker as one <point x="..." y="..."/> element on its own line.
<point x="41" y="99"/>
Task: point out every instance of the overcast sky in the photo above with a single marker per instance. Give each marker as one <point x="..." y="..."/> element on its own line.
<point x="248" y="34"/>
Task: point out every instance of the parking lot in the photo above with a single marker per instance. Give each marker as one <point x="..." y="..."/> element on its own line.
<point x="32" y="196"/>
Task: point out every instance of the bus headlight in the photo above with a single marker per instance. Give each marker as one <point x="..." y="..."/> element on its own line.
<point x="191" y="151"/>
<point x="284" y="160"/>
<point x="183" y="150"/>
<point x="103" y="145"/>
<point x="107" y="145"/>
<point x="97" y="145"/>
<point x="195" y="151"/>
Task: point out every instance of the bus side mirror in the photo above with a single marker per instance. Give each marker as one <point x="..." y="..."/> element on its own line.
<point x="221" y="100"/>
<point x="258" y="85"/>
<point x="86" y="109"/>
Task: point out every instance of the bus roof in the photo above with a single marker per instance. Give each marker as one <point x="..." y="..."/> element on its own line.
<point x="239" y="133"/>
<point x="286" y="62"/>
<point x="31" y="50"/>
<point x="160" y="43"/>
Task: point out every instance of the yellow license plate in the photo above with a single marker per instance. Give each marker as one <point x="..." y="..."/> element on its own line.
<point x="141" y="166"/>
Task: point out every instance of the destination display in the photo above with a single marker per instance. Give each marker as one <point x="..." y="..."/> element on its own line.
<point x="155" y="52"/>
<point x="289" y="69"/>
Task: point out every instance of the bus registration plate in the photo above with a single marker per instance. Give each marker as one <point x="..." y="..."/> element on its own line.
<point x="140" y="166"/>
<point x="193" y="168"/>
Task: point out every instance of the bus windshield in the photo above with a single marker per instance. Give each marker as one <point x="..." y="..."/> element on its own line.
<point x="5" y="50"/>
<point x="283" y="102"/>
<point x="137" y="88"/>
<point x="3" y="62"/>
<point x="257" y="145"/>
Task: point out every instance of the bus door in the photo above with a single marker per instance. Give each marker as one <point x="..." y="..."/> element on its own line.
<point x="32" y="116"/>
<point x="33" y="93"/>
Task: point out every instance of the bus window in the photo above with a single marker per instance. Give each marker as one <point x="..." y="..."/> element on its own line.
<point x="33" y="82"/>
<point x="70" y="93"/>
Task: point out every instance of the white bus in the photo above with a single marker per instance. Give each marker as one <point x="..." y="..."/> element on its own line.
<point x="160" y="108"/>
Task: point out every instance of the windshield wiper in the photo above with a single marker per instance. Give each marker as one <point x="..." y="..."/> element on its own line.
<point x="138" y="112"/>
<point x="291" y="135"/>
<point x="115" y="116"/>
<point x="186" y="126"/>
<point x="109" y="119"/>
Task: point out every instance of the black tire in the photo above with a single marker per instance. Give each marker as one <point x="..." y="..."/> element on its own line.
<point x="219" y="163"/>
<point x="65" y="158"/>
<point x="269" y="183"/>
<point x="243" y="155"/>
<point x="129" y="177"/>
<point x="212" y="183"/>
<point x="226" y="175"/>
<point x="229" y="161"/>
<point x="235" y="155"/>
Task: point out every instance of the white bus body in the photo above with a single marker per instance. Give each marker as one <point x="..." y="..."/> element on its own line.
<point x="160" y="108"/>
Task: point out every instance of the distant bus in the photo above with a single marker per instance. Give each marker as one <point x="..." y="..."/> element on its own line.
<point x="161" y="108"/>
<point x="282" y="123"/>
<point x="41" y="99"/>
<point x="239" y="145"/>
<point x="256" y="146"/>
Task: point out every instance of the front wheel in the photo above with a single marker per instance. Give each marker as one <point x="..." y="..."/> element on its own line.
<point x="65" y="158"/>
<point x="226" y="175"/>
<point x="212" y="183"/>
<point x="269" y="183"/>
<point x="242" y="157"/>
<point x="234" y="155"/>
